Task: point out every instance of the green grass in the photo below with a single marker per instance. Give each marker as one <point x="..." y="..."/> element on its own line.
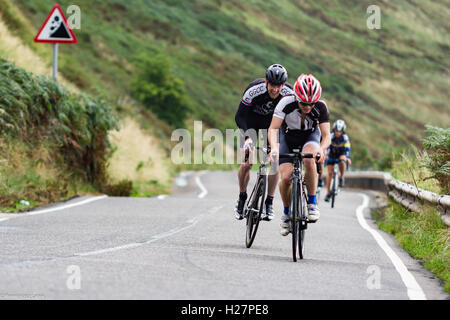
<point x="385" y="83"/>
<point x="149" y="188"/>
<point x="423" y="235"/>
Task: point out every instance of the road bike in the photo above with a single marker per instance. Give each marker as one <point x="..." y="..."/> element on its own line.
<point x="254" y="207"/>
<point x="298" y="206"/>
<point x="334" y="190"/>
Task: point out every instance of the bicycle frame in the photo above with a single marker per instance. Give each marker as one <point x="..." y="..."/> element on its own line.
<point x="298" y="206"/>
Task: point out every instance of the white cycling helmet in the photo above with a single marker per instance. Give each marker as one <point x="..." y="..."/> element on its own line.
<point x="339" y="125"/>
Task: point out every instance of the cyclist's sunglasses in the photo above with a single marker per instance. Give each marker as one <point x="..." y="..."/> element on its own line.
<point x="306" y="104"/>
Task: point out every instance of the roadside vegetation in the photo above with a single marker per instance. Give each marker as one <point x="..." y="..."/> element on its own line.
<point x="208" y="51"/>
<point x="423" y="234"/>
<point x="53" y="143"/>
<point x="429" y="167"/>
<point x="370" y="77"/>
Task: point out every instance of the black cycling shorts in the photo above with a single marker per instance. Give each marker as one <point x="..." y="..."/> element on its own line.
<point x="288" y="142"/>
<point x="256" y="122"/>
<point x="333" y="156"/>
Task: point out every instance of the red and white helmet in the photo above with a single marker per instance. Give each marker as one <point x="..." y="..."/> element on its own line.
<point x="307" y="89"/>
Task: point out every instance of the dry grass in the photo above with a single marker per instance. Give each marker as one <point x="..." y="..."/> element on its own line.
<point x="138" y="156"/>
<point x="14" y="49"/>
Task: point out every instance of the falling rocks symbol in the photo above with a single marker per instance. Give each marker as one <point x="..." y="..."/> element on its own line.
<point x="59" y="28"/>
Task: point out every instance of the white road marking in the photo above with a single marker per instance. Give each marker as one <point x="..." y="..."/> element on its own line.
<point x="59" y="208"/>
<point x="162" y="196"/>
<point x="201" y="186"/>
<point x="191" y="223"/>
<point x="414" y="290"/>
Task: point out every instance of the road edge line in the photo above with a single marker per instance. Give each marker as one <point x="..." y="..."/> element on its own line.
<point x="414" y="290"/>
<point x="59" y="208"/>
<point x="201" y="186"/>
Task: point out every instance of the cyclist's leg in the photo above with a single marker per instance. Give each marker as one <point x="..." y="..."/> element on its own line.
<point x="342" y="165"/>
<point x="310" y="167"/>
<point x="286" y="170"/>
<point x="246" y="166"/>
<point x="244" y="175"/>
<point x="273" y="176"/>
<point x="341" y="170"/>
<point x="312" y="145"/>
<point x="272" y="181"/>
<point x="330" y="168"/>
<point x="286" y="167"/>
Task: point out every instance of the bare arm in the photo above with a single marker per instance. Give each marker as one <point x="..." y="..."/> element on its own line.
<point x="326" y="136"/>
<point x="273" y="131"/>
<point x="272" y="135"/>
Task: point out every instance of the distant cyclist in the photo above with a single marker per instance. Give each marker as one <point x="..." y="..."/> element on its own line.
<point x="339" y="149"/>
<point x="303" y="119"/>
<point x="255" y="113"/>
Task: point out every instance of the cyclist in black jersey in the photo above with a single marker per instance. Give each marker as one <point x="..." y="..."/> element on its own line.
<point x="302" y="122"/>
<point x="255" y="113"/>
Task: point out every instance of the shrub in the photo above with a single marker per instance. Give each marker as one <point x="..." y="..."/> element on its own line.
<point x="36" y="109"/>
<point x="121" y="189"/>
<point x="160" y="90"/>
<point x="437" y="144"/>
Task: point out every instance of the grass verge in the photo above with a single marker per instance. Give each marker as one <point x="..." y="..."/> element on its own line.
<point x="423" y="235"/>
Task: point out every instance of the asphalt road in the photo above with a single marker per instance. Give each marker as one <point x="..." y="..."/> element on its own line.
<point x="188" y="245"/>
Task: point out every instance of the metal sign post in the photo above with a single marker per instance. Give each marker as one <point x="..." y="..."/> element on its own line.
<point x="55" y="60"/>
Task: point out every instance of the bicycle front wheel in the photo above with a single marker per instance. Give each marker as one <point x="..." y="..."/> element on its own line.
<point x="295" y="220"/>
<point x="303" y="211"/>
<point x="254" y="210"/>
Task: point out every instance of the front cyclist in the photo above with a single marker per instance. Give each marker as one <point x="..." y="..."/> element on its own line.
<point x="303" y="119"/>
<point x="339" y="149"/>
<point x="255" y="113"/>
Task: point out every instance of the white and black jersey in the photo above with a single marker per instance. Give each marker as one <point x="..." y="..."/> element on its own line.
<point x="256" y="107"/>
<point x="257" y="98"/>
<point x="288" y="110"/>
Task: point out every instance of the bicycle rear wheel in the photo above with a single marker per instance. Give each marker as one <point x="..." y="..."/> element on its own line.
<point x="254" y="210"/>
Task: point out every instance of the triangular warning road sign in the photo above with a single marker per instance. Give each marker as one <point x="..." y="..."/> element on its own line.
<point x="55" y="28"/>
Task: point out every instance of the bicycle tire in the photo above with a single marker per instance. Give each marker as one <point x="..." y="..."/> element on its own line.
<point x="294" y="220"/>
<point x="254" y="210"/>
<point x="333" y="190"/>
<point x="302" y="224"/>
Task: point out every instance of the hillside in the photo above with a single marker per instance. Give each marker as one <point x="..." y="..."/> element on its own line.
<point x="385" y="83"/>
<point x="39" y="163"/>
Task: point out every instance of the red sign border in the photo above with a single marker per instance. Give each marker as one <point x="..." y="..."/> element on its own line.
<point x="74" y="39"/>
